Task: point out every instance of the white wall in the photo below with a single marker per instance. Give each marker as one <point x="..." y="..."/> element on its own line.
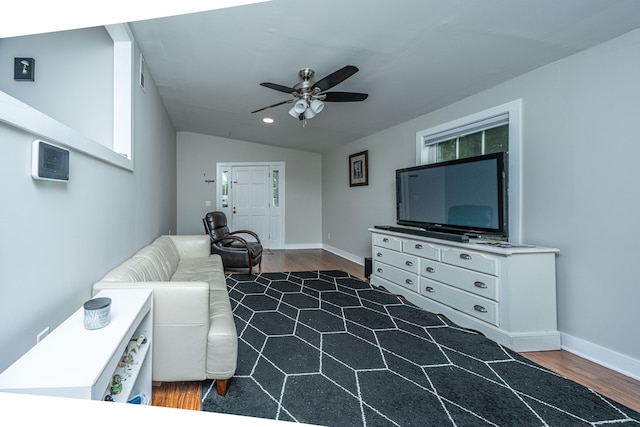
<point x="580" y="177"/>
<point x="59" y="238"/>
<point x="197" y="158"/>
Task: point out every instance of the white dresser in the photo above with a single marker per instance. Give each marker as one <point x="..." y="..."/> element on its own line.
<point x="506" y="293"/>
<point x="76" y="362"/>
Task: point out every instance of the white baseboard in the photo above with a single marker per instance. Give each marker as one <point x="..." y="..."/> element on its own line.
<point x="303" y="246"/>
<point x="344" y="254"/>
<point x="615" y="361"/>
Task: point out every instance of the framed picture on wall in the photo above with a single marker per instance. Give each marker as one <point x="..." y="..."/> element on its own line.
<point x="359" y="169"/>
<point x="24" y="69"/>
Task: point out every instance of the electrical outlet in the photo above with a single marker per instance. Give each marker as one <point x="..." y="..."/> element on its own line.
<point x="42" y="334"/>
<point x="328" y="236"/>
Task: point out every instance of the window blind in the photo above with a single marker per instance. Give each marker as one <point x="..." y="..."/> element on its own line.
<point x="469" y="128"/>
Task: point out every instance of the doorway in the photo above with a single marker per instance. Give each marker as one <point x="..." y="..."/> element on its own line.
<point x="252" y="197"/>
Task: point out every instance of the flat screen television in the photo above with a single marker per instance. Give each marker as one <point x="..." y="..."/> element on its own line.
<point x="464" y="196"/>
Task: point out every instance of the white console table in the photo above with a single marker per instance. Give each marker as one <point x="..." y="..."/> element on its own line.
<point x="506" y="293"/>
<point x="75" y="362"/>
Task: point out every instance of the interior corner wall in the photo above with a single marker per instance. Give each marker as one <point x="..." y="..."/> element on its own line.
<point x="579" y="152"/>
<point x="197" y="158"/>
<point x="59" y="238"/>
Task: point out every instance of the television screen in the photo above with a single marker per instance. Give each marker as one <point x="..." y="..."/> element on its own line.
<point x="461" y="196"/>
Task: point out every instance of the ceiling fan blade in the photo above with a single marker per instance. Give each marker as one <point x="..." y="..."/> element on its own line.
<point x="274" y="105"/>
<point x="278" y="87"/>
<point x="336" y="77"/>
<point x="345" y="96"/>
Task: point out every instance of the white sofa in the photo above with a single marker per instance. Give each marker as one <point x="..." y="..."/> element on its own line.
<point x="194" y="335"/>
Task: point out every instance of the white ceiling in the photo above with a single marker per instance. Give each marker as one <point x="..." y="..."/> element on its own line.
<point x="414" y="56"/>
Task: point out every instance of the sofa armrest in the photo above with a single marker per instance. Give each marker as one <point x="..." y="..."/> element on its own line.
<point x="192" y="246"/>
<point x="180" y="327"/>
<point x="173" y="302"/>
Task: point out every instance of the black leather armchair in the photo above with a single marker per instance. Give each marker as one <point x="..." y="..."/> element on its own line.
<point x="236" y="251"/>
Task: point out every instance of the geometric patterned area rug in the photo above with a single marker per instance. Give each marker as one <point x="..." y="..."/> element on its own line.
<point x="322" y="347"/>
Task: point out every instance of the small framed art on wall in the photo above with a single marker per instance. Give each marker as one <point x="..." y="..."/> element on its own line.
<point x="359" y="169"/>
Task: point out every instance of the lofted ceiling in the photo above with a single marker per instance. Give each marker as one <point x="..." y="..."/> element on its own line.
<point x="414" y="57"/>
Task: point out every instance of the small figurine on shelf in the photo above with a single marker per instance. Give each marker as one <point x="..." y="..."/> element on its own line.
<point x="116" y="384"/>
<point x="134" y="345"/>
<point x="123" y="361"/>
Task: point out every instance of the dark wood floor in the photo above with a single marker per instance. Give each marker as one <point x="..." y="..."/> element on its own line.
<point x="609" y="383"/>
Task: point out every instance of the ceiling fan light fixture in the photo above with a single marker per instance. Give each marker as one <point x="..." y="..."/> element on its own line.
<point x="293" y="113"/>
<point x="309" y="113"/>
<point x="300" y="106"/>
<point x="316" y="106"/>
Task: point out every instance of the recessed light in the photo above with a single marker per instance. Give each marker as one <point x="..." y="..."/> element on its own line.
<point x="268" y="120"/>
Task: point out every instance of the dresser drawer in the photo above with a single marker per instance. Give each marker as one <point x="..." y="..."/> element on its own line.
<point x="397" y="259"/>
<point x="387" y="242"/>
<point x="396" y="275"/>
<point x="468" y="280"/>
<point x="471" y="304"/>
<point x="472" y="260"/>
<point x="421" y="249"/>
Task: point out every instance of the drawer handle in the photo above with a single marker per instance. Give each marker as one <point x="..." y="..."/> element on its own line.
<point x="465" y="256"/>
<point x="385" y="240"/>
<point x="409" y="263"/>
<point x="418" y="246"/>
<point x="480" y="285"/>
<point x="479" y="308"/>
<point x="379" y="270"/>
<point x="431" y="270"/>
<point x="429" y="289"/>
<point x="409" y="282"/>
<point x="379" y="254"/>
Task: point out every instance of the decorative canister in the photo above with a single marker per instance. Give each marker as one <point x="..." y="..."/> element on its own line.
<point x="97" y="313"/>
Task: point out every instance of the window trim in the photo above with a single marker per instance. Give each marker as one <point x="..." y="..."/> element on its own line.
<point x="514" y="111"/>
<point x="122" y="88"/>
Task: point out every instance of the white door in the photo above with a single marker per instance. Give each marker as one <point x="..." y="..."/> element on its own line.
<point x="241" y="197"/>
<point x="250" y="201"/>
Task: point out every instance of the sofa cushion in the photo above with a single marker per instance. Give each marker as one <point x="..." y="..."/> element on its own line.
<point x="170" y="254"/>
<point x="153" y="258"/>
<point x="163" y="256"/>
<point x="136" y="269"/>
<point x="125" y="272"/>
<point x="199" y="269"/>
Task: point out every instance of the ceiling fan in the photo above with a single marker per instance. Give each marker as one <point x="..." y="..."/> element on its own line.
<point x="308" y="95"/>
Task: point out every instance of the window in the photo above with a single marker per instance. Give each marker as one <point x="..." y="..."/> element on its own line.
<point x="473" y="139"/>
<point x="275" y="188"/>
<point x="224" y="188"/>
<point x="489" y="131"/>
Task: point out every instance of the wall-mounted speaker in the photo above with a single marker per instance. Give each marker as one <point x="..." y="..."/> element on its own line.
<point x="49" y="162"/>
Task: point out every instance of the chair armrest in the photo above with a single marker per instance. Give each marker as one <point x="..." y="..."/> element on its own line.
<point x="249" y="232"/>
<point x="233" y="238"/>
<point x="192" y="246"/>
